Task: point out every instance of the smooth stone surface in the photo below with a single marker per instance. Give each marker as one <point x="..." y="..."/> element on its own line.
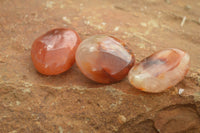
<point x="54" y="52"/>
<point x="104" y="59"/>
<point x="160" y="71"/>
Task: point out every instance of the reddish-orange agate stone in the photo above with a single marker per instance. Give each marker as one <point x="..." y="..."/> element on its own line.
<point x="104" y="59"/>
<point x="160" y="71"/>
<point x="54" y="52"/>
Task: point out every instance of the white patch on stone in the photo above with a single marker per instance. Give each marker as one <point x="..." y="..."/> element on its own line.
<point x="87" y="22"/>
<point x="18" y="103"/>
<point x="183" y="21"/>
<point x="60" y="129"/>
<point x="66" y="19"/>
<point x="116" y="28"/>
<point x="143" y="24"/>
<point x="49" y="47"/>
<point x="92" y="49"/>
<point x="49" y="4"/>
<point x="180" y="91"/>
<point x="103" y="23"/>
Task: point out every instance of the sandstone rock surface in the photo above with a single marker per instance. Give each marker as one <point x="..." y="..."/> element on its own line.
<point x="69" y="102"/>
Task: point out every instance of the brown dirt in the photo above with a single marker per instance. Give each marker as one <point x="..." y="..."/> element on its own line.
<point x="71" y="103"/>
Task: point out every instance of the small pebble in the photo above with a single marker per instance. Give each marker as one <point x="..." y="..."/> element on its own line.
<point x="116" y="28"/>
<point x="180" y="91"/>
<point x="121" y="119"/>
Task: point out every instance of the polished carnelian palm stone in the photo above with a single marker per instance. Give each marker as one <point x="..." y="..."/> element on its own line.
<point x="104" y="59"/>
<point x="160" y="71"/>
<point x="54" y="52"/>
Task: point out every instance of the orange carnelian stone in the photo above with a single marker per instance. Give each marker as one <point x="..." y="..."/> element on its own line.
<point x="160" y="71"/>
<point x="54" y="52"/>
<point x="104" y="59"/>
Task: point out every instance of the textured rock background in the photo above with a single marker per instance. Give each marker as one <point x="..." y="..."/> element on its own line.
<point x="71" y="103"/>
